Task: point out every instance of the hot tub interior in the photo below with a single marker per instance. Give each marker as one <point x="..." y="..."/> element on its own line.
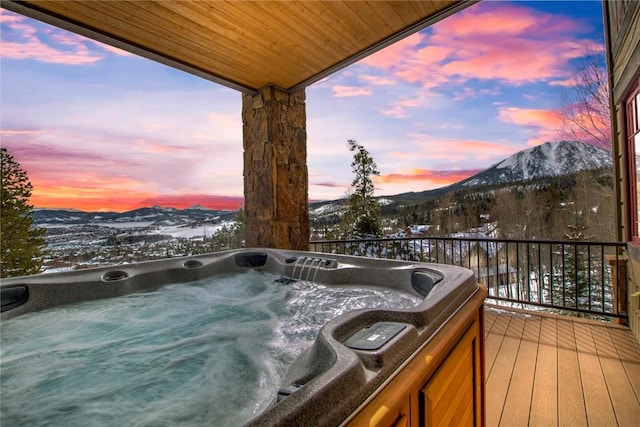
<point x="251" y="336"/>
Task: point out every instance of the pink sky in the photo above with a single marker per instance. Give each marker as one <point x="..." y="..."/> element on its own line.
<point x="97" y="128"/>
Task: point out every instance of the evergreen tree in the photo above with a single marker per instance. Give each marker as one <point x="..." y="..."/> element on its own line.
<point x="362" y="218"/>
<point x="580" y="286"/>
<point x="21" y="245"/>
<point x="231" y="236"/>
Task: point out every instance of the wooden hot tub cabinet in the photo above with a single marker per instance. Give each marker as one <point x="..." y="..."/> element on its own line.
<point x="442" y="384"/>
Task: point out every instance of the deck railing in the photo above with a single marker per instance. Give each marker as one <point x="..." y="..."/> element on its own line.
<point x="561" y="276"/>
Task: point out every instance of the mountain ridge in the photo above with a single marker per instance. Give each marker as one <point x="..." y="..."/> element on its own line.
<point x="545" y="160"/>
<point x="542" y="161"/>
<point x="153" y="215"/>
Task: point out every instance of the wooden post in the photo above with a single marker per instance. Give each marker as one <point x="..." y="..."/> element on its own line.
<point x="619" y="284"/>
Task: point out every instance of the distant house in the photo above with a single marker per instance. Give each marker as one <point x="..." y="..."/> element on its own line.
<point x="417" y="230"/>
<point x="498" y="276"/>
<point x="493" y="263"/>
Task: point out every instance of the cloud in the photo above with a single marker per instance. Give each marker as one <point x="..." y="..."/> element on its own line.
<point x="57" y="197"/>
<point x="394" y="54"/>
<point x="21" y="132"/>
<point x="71" y="172"/>
<point x="26" y="39"/>
<point x="427" y="176"/>
<point x="340" y="91"/>
<point x="531" y="117"/>
<point x="33" y="153"/>
<point x="469" y="92"/>
<point x="504" y="61"/>
<point x="490" y="49"/>
<point x="88" y="204"/>
<point x="542" y="125"/>
<point x="147" y="145"/>
<point x="377" y="80"/>
<point x="178" y="143"/>
<point x="512" y="44"/>
<point x="567" y="82"/>
<point x="328" y="184"/>
<point x="454" y="151"/>
<point x="94" y="189"/>
<point x="7" y="17"/>
<point x="399" y="109"/>
<point x="430" y="161"/>
<point x="507" y="20"/>
<point x="86" y="190"/>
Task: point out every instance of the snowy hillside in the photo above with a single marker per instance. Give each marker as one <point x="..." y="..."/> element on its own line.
<point x="548" y="159"/>
<point x="155" y="215"/>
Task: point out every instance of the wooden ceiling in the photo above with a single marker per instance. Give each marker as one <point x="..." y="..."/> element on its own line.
<point x="245" y="44"/>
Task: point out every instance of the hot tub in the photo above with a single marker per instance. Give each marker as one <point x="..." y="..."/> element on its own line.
<point x="416" y="364"/>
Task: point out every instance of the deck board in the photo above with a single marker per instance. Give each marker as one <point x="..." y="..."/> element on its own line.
<point x="620" y="390"/>
<point x="571" y="410"/>
<point x="548" y="370"/>
<point x="518" y="402"/>
<point x="544" y="400"/>
<point x="494" y="340"/>
<point x="628" y="349"/>
<point x="596" y="394"/>
<point x="504" y="363"/>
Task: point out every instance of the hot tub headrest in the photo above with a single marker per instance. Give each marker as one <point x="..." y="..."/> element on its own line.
<point x="13" y="297"/>
<point x="251" y="259"/>
<point x="423" y="281"/>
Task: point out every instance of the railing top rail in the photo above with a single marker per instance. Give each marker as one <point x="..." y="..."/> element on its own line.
<point x="475" y="239"/>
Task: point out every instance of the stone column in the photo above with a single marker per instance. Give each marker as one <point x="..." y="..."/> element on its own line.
<point x="276" y="185"/>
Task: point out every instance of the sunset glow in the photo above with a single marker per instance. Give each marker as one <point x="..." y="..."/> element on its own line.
<point x="100" y="129"/>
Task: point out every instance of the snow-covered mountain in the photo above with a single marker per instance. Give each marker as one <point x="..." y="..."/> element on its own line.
<point x="548" y="159"/>
<point x="152" y="215"/>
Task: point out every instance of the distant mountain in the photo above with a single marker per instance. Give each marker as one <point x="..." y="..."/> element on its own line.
<point x="197" y="206"/>
<point x="545" y="160"/>
<point x="61" y="216"/>
<point x="548" y="159"/>
<point x="155" y="215"/>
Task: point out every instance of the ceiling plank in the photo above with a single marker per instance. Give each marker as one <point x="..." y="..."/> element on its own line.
<point x="246" y="39"/>
<point x="127" y="22"/>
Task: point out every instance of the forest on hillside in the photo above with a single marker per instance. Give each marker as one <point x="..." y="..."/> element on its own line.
<point x="579" y="206"/>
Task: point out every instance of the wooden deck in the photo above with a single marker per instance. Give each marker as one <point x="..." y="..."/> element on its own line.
<point x="547" y="370"/>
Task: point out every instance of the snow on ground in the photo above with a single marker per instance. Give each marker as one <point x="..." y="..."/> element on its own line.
<point x="327" y="209"/>
<point x="57" y="270"/>
<point x="131" y="224"/>
<point x="185" y="232"/>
